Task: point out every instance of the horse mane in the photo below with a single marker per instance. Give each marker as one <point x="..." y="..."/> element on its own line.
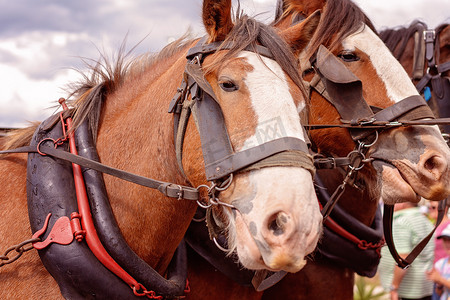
<point x="400" y="35"/>
<point x="18" y="137"/>
<point x="339" y="19"/>
<point x="102" y="78"/>
<point x="105" y="77"/>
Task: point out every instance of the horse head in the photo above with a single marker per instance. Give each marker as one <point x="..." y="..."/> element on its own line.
<point x="407" y="162"/>
<point x="269" y="210"/>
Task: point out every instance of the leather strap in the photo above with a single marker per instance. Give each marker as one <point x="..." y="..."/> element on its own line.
<point x="111" y="237"/>
<point x="286" y="158"/>
<point x="419" y="55"/>
<point x="379" y="124"/>
<point x="168" y="189"/>
<point x="331" y="162"/>
<point x="387" y="227"/>
<point x="239" y="160"/>
<point x="205" y="49"/>
<point x="429" y="37"/>
<point x="444" y="67"/>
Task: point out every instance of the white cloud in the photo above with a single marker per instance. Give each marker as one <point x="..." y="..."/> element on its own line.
<point x="27" y="99"/>
<point x="40" y="42"/>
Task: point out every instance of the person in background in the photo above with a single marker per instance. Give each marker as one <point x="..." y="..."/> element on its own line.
<point x="410" y="226"/>
<point x="439" y="251"/>
<point x="440" y="274"/>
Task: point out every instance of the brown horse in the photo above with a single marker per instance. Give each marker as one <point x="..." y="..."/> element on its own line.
<point x="271" y="212"/>
<point x="425" y="55"/>
<point x="395" y="174"/>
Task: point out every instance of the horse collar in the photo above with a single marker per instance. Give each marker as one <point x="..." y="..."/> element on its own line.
<point x="50" y="188"/>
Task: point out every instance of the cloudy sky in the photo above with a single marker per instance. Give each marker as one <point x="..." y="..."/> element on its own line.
<point x="43" y="41"/>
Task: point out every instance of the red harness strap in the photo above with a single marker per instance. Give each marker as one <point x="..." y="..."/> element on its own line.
<point x="89" y="231"/>
<point x="362" y="244"/>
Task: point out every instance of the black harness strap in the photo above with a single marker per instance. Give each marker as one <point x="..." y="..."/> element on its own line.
<point x="168" y="189"/>
<point x="219" y="156"/>
<point x="387" y="228"/>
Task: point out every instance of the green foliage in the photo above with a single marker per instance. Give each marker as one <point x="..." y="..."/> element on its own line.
<point x="366" y="291"/>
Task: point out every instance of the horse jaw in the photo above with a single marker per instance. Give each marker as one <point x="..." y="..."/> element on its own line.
<point x="275" y="224"/>
<point x="410" y="162"/>
<point x="278" y="221"/>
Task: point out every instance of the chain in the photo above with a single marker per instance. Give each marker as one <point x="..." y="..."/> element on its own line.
<point x="20" y="249"/>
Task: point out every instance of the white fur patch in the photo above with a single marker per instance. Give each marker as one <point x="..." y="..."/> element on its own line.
<point x="397" y="82"/>
<point x="272" y="102"/>
<point x="288" y="190"/>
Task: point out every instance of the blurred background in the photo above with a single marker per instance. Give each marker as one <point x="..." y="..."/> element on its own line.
<point x="42" y="43"/>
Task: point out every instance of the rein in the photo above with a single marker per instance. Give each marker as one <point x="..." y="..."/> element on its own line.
<point x="405" y="263"/>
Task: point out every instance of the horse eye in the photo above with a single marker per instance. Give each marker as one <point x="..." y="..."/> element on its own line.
<point x="228" y="86"/>
<point x="348" y="56"/>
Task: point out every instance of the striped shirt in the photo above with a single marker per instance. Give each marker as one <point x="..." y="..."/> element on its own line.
<point x="410" y="226"/>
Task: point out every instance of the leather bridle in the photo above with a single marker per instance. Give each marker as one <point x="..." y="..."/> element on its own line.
<point x="341" y="88"/>
<point x="196" y="97"/>
<point x="426" y="49"/>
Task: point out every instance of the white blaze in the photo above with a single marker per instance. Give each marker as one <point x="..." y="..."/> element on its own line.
<point x="397" y="82"/>
<point x="288" y="190"/>
<point x="272" y="102"/>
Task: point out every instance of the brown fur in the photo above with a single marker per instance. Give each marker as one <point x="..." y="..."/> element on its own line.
<point x="317" y="280"/>
<point x="135" y="133"/>
<point x="217" y="19"/>
<point x="340" y="18"/>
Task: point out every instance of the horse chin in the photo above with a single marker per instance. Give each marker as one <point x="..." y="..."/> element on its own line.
<point x="394" y="187"/>
<point x="255" y="255"/>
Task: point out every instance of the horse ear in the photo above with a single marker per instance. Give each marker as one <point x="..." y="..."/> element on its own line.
<point x="217" y="19"/>
<point x="304" y="7"/>
<point x="299" y="35"/>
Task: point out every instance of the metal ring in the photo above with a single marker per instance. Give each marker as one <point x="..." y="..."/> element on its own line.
<point x="435" y="67"/>
<point x="362" y="161"/>
<point x="228" y="182"/>
<point x="219" y="246"/>
<point x="371" y="144"/>
<point x="44" y="140"/>
<point x="199" y="220"/>
<point x="216" y="201"/>
<point x="203" y="205"/>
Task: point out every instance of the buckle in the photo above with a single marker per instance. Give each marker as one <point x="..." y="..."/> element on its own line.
<point x="429" y="35"/>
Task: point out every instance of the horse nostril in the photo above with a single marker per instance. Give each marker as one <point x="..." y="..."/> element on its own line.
<point x="435" y="165"/>
<point x="278" y="223"/>
<point x="430" y="164"/>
